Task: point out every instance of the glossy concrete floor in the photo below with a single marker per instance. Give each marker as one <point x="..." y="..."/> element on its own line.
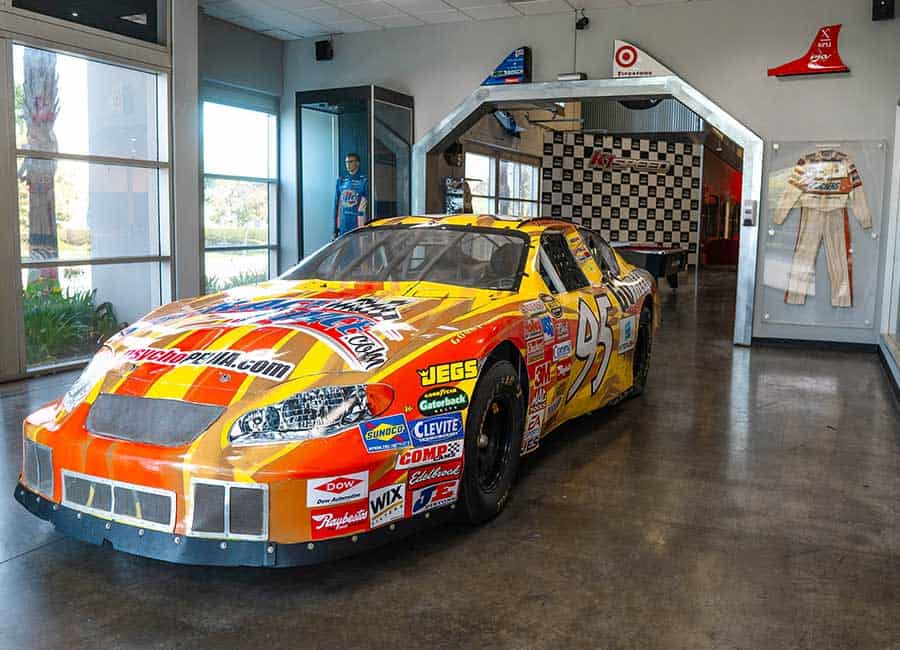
<point x="750" y="499"/>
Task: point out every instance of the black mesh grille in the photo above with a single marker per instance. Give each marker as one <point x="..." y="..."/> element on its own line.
<point x="89" y="494"/>
<point x="38" y="467"/>
<point x="146" y="506"/>
<point x="209" y="508"/>
<point x="246" y="511"/>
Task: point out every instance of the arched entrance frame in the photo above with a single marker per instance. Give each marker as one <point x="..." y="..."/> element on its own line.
<point x="488" y="97"/>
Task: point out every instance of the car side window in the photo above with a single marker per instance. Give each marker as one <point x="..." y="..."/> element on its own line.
<point x="557" y="265"/>
<point x="602" y="252"/>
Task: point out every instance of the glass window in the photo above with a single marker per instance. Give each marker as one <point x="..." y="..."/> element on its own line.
<point x="556" y="253"/>
<point x="93" y="188"/>
<point x="141" y="19"/>
<point x="240" y="188"/>
<point x="503" y="187"/>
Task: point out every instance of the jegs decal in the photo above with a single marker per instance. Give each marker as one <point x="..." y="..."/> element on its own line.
<point x="593" y="332"/>
<point x="443" y="373"/>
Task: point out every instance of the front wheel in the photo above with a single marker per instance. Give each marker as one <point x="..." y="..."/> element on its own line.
<point x="493" y="443"/>
<point x="643" y="349"/>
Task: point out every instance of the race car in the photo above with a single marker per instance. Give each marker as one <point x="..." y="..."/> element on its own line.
<point x="390" y="380"/>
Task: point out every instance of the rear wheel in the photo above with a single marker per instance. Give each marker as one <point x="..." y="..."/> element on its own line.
<point x="493" y="442"/>
<point x="643" y="349"/>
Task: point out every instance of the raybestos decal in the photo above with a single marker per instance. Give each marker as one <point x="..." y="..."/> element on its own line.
<point x="339" y="520"/>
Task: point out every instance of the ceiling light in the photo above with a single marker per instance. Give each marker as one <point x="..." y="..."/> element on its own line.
<point x="74" y="14"/>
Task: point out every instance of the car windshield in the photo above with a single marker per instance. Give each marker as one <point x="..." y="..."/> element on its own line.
<point x="480" y="258"/>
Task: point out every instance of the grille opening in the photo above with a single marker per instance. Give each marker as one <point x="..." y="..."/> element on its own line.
<point x="38" y="467"/>
<point x="123" y="502"/>
<point x="246" y="511"/>
<point x="209" y="508"/>
<point x="144" y="506"/>
<point x="229" y="510"/>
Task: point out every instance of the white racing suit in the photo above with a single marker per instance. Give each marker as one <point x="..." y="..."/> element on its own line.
<point x="825" y="183"/>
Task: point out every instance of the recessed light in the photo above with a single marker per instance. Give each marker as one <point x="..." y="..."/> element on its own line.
<point x="74" y="14"/>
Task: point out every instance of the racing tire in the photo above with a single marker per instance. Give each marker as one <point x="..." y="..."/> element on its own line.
<point x="493" y="443"/>
<point x="643" y="350"/>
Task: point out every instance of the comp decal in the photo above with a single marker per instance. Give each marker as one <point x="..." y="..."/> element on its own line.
<point x="439" y="428"/>
<point x="443" y="400"/>
<point x="336" y="489"/>
<point x="443" y="373"/>
<point x="253" y="363"/>
<point x="384" y="434"/>
<point x="387" y="504"/>
<point x="593" y="332"/>
<point x="429" y="455"/>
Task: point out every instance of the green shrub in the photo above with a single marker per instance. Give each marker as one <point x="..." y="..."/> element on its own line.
<point x="214" y="284"/>
<point x="219" y="236"/>
<point x="64" y="325"/>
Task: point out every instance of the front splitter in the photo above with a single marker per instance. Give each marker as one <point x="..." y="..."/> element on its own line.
<point x="182" y="549"/>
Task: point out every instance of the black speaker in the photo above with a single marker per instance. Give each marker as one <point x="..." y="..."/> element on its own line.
<point x="325" y="52"/>
<point x="882" y="9"/>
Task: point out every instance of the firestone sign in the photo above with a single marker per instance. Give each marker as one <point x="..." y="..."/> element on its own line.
<point x="631" y="61"/>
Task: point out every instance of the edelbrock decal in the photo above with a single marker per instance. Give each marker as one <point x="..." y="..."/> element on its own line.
<point x="434" y="473"/>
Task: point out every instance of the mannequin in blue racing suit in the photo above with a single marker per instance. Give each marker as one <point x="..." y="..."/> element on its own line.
<point x="351" y="197"/>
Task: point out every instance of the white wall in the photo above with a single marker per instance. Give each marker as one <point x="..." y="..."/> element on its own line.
<point x="722" y="47"/>
<point x="238" y="57"/>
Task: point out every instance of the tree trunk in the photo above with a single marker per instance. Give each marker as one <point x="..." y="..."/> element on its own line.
<point x="41" y="107"/>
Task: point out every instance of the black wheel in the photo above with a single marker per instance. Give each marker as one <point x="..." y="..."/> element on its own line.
<point x="493" y="442"/>
<point x="643" y="349"/>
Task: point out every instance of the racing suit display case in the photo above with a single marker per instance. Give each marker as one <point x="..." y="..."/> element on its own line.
<point x="820" y="233"/>
<point x="372" y="122"/>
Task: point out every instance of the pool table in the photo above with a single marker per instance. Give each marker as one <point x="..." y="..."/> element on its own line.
<point x="659" y="260"/>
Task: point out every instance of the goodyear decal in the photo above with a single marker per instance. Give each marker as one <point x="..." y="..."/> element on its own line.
<point x="443" y="400"/>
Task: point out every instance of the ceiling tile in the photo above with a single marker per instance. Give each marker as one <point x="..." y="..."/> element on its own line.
<point x="295" y="5"/>
<point x="376" y="9"/>
<point x="465" y="4"/>
<point x="249" y="22"/>
<point x="297" y="24"/>
<point x="326" y="15"/>
<point x="492" y="11"/>
<point x="639" y="3"/>
<point x="416" y="7"/>
<point x="282" y="35"/>
<point x="436" y="17"/>
<point x="351" y="26"/>
<point x="601" y="4"/>
<point x="224" y="10"/>
<point x="389" y="22"/>
<point x="543" y="7"/>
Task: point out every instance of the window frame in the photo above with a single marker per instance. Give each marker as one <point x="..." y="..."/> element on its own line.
<point x="495" y="157"/>
<point x="247" y="101"/>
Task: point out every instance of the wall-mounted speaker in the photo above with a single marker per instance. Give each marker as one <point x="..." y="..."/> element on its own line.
<point x="882" y="9"/>
<point x="325" y="52"/>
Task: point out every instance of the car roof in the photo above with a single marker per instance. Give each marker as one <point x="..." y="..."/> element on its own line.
<point x="527" y="225"/>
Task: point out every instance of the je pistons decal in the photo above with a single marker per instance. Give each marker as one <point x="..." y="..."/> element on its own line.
<point x="257" y="363"/>
<point x="439" y="428"/>
<point x="336" y="489"/>
<point x="443" y="400"/>
<point x="387" y="504"/>
<point x="386" y="433"/>
<point x="434" y="496"/>
<point x="429" y="455"/>
<point x="443" y="373"/>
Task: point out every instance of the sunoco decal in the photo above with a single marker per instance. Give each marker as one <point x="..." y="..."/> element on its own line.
<point x="439" y="428"/>
<point x="384" y="434"/>
<point x="252" y="363"/>
<point x="443" y="400"/>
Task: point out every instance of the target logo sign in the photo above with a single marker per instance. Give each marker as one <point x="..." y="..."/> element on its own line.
<point x="626" y="56"/>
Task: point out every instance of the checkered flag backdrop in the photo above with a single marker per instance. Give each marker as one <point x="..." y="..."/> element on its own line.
<point x="627" y="205"/>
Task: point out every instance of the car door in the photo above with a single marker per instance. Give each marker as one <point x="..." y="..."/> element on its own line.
<point x="586" y="329"/>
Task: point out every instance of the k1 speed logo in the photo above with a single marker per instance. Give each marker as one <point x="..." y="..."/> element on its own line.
<point x="440" y="428"/>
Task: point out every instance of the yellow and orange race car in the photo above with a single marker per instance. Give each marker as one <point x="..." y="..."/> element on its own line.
<point x="395" y="376"/>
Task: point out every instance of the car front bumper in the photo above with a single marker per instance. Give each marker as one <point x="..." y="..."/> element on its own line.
<point x="183" y="549"/>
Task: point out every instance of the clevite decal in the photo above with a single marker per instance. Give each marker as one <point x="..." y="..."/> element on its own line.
<point x="438" y="428"/>
<point x="253" y="363"/>
<point x="443" y="373"/>
<point x="443" y="400"/>
<point x="384" y="434"/>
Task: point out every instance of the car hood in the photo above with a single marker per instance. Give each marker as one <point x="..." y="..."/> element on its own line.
<point x="253" y="338"/>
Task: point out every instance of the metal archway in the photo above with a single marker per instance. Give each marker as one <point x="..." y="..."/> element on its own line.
<point x="670" y="86"/>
